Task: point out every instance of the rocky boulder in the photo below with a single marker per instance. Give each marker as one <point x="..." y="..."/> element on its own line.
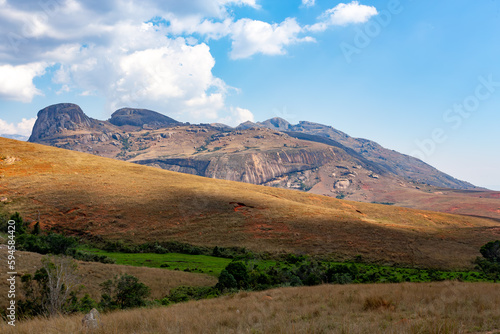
<point x="140" y="118"/>
<point x="91" y="320"/>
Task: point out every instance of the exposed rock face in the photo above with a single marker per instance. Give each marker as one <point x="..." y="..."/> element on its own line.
<point x="256" y="168"/>
<point x="342" y="184"/>
<point x="56" y="118"/>
<point x="140" y="117"/>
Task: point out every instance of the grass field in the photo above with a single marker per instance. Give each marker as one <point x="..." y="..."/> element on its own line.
<point x="441" y="308"/>
<point x="172" y="261"/>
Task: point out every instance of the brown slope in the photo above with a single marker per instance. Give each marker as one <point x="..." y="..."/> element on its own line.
<point x="95" y="196"/>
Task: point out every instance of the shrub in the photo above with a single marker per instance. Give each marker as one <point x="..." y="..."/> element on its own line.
<point x="123" y="292"/>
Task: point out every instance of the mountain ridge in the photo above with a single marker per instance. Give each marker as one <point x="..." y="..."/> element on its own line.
<point x="56" y="120"/>
<point x="307" y="158"/>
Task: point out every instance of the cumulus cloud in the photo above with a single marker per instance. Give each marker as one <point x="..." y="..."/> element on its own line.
<point x="120" y="51"/>
<point x="22" y="128"/>
<point x="344" y="14"/>
<point x="250" y="37"/>
<point x="237" y="116"/>
<point x="17" y="81"/>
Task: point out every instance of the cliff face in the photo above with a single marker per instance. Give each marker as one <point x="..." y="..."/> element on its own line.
<point x="53" y="120"/>
<point x="260" y="168"/>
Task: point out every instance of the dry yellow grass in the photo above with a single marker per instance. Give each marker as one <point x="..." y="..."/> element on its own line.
<point x="95" y="196"/>
<point x="444" y="307"/>
<point x="92" y="274"/>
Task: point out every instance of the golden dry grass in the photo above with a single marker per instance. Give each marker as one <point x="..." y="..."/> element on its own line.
<point x="95" y="196"/>
<point x="444" y="307"/>
<point x="92" y="274"/>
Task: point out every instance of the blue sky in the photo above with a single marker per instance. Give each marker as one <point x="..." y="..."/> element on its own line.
<point x="420" y="77"/>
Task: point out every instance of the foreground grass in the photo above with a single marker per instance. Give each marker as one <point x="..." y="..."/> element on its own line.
<point x="444" y="307"/>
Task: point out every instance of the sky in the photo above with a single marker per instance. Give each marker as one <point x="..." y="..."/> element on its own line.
<point x="420" y="77"/>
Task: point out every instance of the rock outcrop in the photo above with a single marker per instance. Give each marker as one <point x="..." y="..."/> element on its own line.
<point x="54" y="119"/>
<point x="140" y="118"/>
<point x="277" y="123"/>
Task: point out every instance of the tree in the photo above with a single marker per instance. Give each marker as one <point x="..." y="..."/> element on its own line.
<point x="51" y="289"/>
<point x="36" y="229"/>
<point x="123" y="292"/>
<point x="491" y="251"/>
<point x="62" y="278"/>
<point x="490" y="263"/>
<point x="20" y="225"/>
<point x="226" y="281"/>
<point x="235" y="275"/>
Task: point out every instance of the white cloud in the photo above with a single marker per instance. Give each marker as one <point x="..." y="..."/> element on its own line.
<point x="17" y="81"/>
<point x="22" y="128"/>
<point x="308" y="3"/>
<point x="251" y="37"/>
<point x="237" y="116"/>
<point x="344" y="14"/>
<point x="104" y="48"/>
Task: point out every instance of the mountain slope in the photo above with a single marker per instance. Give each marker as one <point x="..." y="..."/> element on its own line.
<point x="310" y="157"/>
<point x="112" y="199"/>
<point x="391" y="161"/>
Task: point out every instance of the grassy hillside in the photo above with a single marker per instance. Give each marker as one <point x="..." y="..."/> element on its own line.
<point x="389" y="308"/>
<point x="100" y="197"/>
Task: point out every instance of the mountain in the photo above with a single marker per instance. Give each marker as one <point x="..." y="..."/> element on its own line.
<point x="103" y="198"/>
<point x="307" y="156"/>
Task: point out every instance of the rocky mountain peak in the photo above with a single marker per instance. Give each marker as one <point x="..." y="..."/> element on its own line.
<point x="277" y="123"/>
<point x="140" y="117"/>
<point x="56" y="118"/>
<point x="247" y="125"/>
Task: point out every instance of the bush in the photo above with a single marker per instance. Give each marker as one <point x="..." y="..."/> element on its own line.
<point x="123" y="292"/>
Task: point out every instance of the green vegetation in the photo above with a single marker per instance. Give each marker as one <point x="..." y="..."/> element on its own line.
<point x="490" y="263"/>
<point x="123" y="292"/>
<point x="52" y="289"/>
<point x="173" y="261"/>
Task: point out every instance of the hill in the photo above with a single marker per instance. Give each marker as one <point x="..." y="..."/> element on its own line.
<point x="98" y="197"/>
<point x="310" y="157"/>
